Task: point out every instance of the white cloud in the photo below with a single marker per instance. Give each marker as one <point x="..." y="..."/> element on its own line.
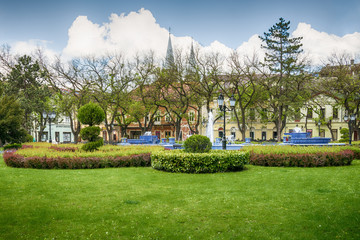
<point x="320" y="45"/>
<point x="130" y="34"/>
<point x="31" y="47"/>
<point x="133" y="33"/>
<point x="139" y="32"/>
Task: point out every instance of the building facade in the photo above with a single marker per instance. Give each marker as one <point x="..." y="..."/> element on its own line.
<point x="60" y="132"/>
<point x="258" y="129"/>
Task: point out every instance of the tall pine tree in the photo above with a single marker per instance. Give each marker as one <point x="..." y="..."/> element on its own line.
<point x="283" y="78"/>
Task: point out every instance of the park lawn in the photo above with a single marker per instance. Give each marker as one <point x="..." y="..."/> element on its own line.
<point x="142" y="203"/>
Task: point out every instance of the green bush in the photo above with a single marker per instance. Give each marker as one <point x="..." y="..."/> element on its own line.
<point x="90" y="133"/>
<point x="28" y="138"/>
<point x="197" y="144"/>
<point x="12" y="159"/>
<point x="12" y="146"/>
<point x="214" y="161"/>
<point x="91" y="114"/>
<point x="320" y="159"/>
<point x="344" y="135"/>
<point x="92" y="146"/>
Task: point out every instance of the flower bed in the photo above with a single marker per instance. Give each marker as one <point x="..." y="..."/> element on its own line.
<point x="46" y="156"/>
<point x="293" y="156"/>
<point x="214" y="161"/>
<point x="12" y="159"/>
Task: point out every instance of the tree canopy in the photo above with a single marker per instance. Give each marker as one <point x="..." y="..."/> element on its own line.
<point x="11" y="116"/>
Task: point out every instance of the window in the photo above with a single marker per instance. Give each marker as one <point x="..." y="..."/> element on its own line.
<point x="44" y="137"/>
<point x="157" y="118"/>
<point x="105" y="136"/>
<point x="263" y="135"/>
<point x="322" y="132"/>
<point x="322" y="113"/>
<point x="252" y="135"/>
<point x="191" y="117"/>
<point x="57" y="137"/>
<point x="233" y="132"/>
<point x="146" y="119"/>
<point x="167" y="118"/>
<point x="66" y="137"/>
<point x="335" y="134"/>
<point x="67" y="120"/>
<point x="335" y="113"/>
<point x="167" y="134"/>
<point x="309" y="113"/>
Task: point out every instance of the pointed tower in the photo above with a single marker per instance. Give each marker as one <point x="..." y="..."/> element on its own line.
<point x="169" y="59"/>
<point x="192" y="60"/>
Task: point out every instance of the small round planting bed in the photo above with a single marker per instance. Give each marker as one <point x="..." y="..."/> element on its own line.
<point x="211" y="162"/>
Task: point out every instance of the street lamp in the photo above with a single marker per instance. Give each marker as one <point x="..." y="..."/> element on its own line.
<point x="352" y="119"/>
<point x="319" y="124"/>
<point x="50" y="116"/>
<point x="223" y="108"/>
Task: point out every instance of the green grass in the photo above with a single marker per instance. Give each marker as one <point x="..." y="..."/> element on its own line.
<point x="142" y="203"/>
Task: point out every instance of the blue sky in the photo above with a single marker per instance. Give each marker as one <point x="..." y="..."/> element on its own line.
<point x="229" y="22"/>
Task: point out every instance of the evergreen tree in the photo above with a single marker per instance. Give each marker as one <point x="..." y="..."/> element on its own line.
<point x="25" y="81"/>
<point x="10" y="120"/>
<point x="284" y="80"/>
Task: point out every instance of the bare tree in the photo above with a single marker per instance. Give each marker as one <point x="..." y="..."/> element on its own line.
<point x="244" y="80"/>
<point x="340" y="80"/>
<point x="109" y="82"/>
<point x="72" y="89"/>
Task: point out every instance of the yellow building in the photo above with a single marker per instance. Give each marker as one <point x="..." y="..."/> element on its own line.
<point x="330" y="125"/>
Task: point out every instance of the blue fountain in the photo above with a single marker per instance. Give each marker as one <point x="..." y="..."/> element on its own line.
<point x="304" y="139"/>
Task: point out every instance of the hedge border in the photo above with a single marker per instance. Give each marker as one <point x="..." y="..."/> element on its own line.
<point x="17" y="161"/>
<point x="214" y="161"/>
<point x="320" y="159"/>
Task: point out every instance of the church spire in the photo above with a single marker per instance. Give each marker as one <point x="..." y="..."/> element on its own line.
<point x="192" y="60"/>
<point x="169" y="59"/>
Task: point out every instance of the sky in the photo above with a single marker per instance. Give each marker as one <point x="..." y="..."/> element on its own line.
<point x="79" y="27"/>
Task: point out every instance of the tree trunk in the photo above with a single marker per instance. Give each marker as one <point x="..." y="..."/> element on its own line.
<point x="177" y="130"/>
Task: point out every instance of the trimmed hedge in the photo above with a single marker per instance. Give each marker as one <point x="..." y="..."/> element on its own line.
<point x="197" y="144"/>
<point x="214" y="161"/>
<point x="320" y="159"/>
<point x="12" y="146"/>
<point x="15" y="160"/>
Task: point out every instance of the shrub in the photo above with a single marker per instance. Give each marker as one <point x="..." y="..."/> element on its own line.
<point x="15" y="160"/>
<point x="197" y="144"/>
<point x="92" y="146"/>
<point x="214" y="161"/>
<point x="91" y="114"/>
<point x="90" y="133"/>
<point x="320" y="159"/>
<point x="344" y="135"/>
<point x="12" y="146"/>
